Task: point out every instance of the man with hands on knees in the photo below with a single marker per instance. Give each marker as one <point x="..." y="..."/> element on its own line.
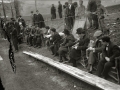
<point x="110" y="52"/>
<point x="95" y="47"/>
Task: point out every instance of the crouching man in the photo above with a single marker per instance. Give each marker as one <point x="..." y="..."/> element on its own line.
<point x="110" y="52"/>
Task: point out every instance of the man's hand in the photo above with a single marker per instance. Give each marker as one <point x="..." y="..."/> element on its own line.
<point x="107" y="59"/>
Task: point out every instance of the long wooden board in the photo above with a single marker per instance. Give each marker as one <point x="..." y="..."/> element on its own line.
<point x="81" y="75"/>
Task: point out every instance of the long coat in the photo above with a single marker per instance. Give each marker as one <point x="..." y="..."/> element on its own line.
<point x="82" y="46"/>
<point x="112" y="51"/>
<point x="53" y="12"/>
<point x="39" y="20"/>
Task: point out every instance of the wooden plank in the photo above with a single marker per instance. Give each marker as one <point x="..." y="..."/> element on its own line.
<point x="81" y="75"/>
<point x="1" y="58"/>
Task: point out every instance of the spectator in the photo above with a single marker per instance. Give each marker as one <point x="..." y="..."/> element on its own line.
<point x="80" y="10"/>
<point x="94" y="50"/>
<point x="60" y="9"/>
<point x="67" y="19"/>
<point x="21" y="21"/>
<point x="82" y="45"/>
<point x="92" y="8"/>
<point x="110" y="52"/>
<point x="55" y="41"/>
<point x="71" y="13"/>
<point x="32" y="18"/>
<point x="14" y="38"/>
<point x="15" y="25"/>
<point x="53" y="12"/>
<point x="101" y="11"/>
<point x="39" y="20"/>
<point x="67" y="43"/>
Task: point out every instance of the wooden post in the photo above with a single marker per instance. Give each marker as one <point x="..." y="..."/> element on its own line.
<point x="4" y="10"/>
<point x="35" y="4"/>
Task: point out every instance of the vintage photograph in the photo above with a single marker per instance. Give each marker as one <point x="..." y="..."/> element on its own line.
<point x="59" y="44"/>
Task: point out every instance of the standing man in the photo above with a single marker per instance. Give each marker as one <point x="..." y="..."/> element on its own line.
<point x="93" y="19"/>
<point x="32" y="18"/>
<point x="14" y="38"/>
<point x="39" y="20"/>
<point x="53" y="12"/>
<point x="80" y="10"/>
<point x="60" y="9"/>
<point x="16" y="25"/>
<point x="71" y="14"/>
<point x="21" y="21"/>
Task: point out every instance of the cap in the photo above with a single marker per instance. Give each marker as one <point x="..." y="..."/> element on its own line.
<point x="97" y="33"/>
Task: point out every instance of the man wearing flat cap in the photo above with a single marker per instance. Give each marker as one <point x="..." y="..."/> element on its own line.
<point x="55" y="40"/>
<point x="80" y="46"/>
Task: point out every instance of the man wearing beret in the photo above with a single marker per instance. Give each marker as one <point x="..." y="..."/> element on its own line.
<point x="55" y="40"/>
<point x="110" y="52"/>
<point x="94" y="50"/>
<point x="81" y="45"/>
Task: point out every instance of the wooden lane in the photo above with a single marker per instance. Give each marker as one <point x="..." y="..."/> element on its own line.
<point x="81" y="75"/>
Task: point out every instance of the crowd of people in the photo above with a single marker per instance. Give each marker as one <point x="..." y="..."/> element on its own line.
<point x="64" y="44"/>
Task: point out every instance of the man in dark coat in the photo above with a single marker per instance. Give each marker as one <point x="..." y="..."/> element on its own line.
<point x="81" y="46"/>
<point x="67" y="43"/>
<point x="110" y="52"/>
<point x="16" y="25"/>
<point x="55" y="40"/>
<point x="53" y="12"/>
<point x="71" y="13"/>
<point x="15" y="38"/>
<point x="32" y="18"/>
<point x="39" y="20"/>
<point x="21" y="21"/>
<point x="60" y="9"/>
<point x="92" y="8"/>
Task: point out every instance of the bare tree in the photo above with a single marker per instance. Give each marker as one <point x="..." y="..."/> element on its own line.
<point x="17" y="6"/>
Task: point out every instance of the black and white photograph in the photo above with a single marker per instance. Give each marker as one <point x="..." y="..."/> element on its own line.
<point x="59" y="44"/>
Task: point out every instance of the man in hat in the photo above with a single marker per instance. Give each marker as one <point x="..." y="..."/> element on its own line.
<point x="60" y="9"/>
<point x="94" y="50"/>
<point x="80" y="46"/>
<point x="55" y="40"/>
<point x="16" y="25"/>
<point x="53" y="12"/>
<point x="32" y="18"/>
<point x="93" y="19"/>
<point x="110" y="52"/>
<point x="67" y="43"/>
<point x="14" y="38"/>
<point x="39" y="20"/>
<point x="71" y="13"/>
<point x="21" y="21"/>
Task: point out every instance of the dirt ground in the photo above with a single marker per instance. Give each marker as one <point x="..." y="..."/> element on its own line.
<point x="35" y="75"/>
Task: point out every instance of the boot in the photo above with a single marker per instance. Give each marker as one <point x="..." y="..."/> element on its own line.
<point x="60" y="59"/>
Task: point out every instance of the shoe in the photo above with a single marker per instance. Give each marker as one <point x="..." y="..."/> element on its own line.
<point x="90" y="72"/>
<point x="61" y="61"/>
